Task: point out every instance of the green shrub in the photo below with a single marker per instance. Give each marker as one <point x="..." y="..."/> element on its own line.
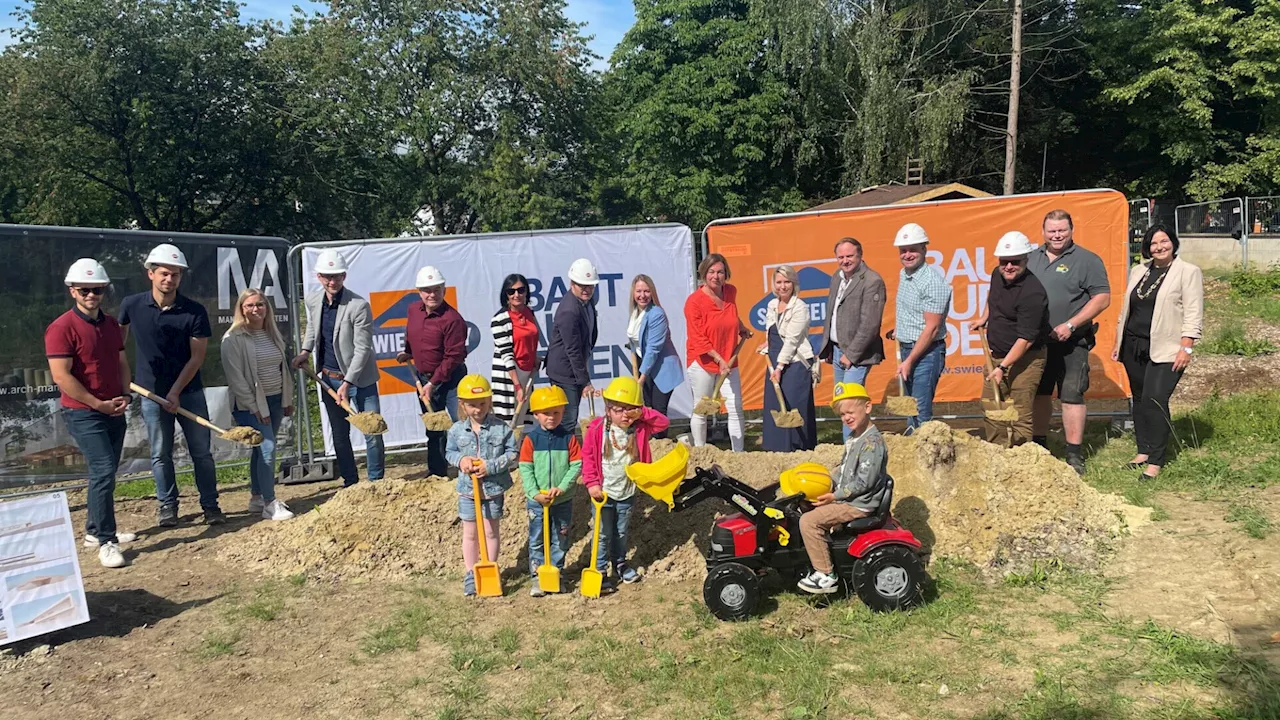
<point x="1230" y="340"/>
<point x="1252" y="283"/>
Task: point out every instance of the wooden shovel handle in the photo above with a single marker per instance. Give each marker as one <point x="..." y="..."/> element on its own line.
<point x="777" y="388"/>
<point x="333" y="394"/>
<point x="524" y="402"/>
<point x="418" y="382"/>
<point x="181" y="410"/>
<point x="733" y="359"/>
<point x="986" y="351"/>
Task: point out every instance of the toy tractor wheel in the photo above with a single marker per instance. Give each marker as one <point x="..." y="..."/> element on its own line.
<point x="890" y="578"/>
<point x="731" y="591"/>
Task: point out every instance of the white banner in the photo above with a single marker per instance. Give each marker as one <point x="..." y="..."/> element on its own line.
<point x="474" y="268"/>
<point x="41" y="589"/>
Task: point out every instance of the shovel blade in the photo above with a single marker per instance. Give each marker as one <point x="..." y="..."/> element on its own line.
<point x="549" y="578"/>
<point x="488" y="583"/>
<point x="590" y="583"/>
<point x="788" y="419"/>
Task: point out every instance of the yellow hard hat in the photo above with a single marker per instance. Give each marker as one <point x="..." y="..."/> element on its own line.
<point x="624" y="390"/>
<point x="474" y="387"/>
<point x="545" y="398"/>
<point x="811" y="478"/>
<point x="848" y="391"/>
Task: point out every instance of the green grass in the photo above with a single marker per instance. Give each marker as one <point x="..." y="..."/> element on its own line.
<point x="217" y="643"/>
<point x="1253" y="521"/>
<point x="146" y="487"/>
<point x="1225" y="446"/>
<point x="1230" y="339"/>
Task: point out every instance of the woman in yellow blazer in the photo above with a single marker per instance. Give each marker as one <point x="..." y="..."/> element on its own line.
<point x="1160" y="322"/>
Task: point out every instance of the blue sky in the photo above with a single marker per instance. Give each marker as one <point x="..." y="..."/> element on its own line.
<point x="607" y="20"/>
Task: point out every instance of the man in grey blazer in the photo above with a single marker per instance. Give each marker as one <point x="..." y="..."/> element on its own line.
<point x="340" y="334"/>
<point x="855" y="305"/>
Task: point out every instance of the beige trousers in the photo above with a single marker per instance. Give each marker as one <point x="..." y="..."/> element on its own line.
<point x="814" y="526"/>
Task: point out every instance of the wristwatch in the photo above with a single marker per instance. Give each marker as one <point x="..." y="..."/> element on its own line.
<point x="1003" y="368"/>
<point x="1070" y="327"/>
<point x="1188" y="350"/>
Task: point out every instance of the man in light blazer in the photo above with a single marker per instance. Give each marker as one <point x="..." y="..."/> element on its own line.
<point x="340" y="334"/>
<point x="855" y="305"/>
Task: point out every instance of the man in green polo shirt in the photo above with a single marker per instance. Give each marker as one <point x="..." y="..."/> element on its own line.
<point x="1076" y="281"/>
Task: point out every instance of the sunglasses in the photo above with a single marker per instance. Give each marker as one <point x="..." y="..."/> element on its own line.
<point x="1012" y="261"/>
<point x="86" y="292"/>
<point x="517" y="291"/>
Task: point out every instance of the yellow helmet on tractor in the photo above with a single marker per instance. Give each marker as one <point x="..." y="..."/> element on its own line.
<point x="624" y="390"/>
<point x="545" y="398"/>
<point x="474" y="387"/>
<point x="811" y="478"/>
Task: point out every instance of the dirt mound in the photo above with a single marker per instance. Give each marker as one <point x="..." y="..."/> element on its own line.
<point x="962" y="497"/>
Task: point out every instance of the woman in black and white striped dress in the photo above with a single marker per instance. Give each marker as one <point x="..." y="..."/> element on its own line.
<point x="515" y="348"/>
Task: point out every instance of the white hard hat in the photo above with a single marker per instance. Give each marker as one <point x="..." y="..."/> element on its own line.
<point x="429" y="276"/>
<point x="330" y="262"/>
<point x="583" y="272"/>
<point x="166" y="254"/>
<point x="87" y="271"/>
<point x="1013" y="244"/>
<point x="910" y="234"/>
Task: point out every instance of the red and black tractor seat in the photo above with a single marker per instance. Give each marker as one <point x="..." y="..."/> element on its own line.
<point x="876" y="520"/>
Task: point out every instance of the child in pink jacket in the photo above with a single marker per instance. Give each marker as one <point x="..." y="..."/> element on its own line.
<point x="612" y="443"/>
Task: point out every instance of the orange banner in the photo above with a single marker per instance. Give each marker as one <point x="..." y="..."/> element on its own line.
<point x="962" y="235"/>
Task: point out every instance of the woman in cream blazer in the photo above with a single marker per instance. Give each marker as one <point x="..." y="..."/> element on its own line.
<point x="1160" y="321"/>
<point x="792" y="359"/>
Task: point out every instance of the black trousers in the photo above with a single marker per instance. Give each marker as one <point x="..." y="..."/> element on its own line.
<point x="656" y="399"/>
<point x="1152" y="385"/>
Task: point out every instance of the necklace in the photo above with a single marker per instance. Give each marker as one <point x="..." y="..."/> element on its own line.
<point x="614" y="442"/>
<point x="1143" y="295"/>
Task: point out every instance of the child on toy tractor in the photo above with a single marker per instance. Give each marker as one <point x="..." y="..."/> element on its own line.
<point x="857" y="491"/>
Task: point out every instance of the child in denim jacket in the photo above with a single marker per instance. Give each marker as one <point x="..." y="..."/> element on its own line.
<point x="482" y="445"/>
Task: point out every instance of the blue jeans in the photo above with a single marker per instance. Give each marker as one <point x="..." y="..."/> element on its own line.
<point x="160" y="436"/>
<point x="443" y="397"/>
<point x="561" y="517"/>
<point x="614" y="519"/>
<point x="262" y="464"/>
<point x="854" y="374"/>
<point x="101" y="440"/>
<point x="363" y="399"/>
<point x="573" y="393"/>
<point x="924" y="380"/>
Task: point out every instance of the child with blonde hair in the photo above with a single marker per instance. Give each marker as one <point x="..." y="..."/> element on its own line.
<point x="550" y="465"/>
<point x="610" y="444"/>
<point x="479" y="444"/>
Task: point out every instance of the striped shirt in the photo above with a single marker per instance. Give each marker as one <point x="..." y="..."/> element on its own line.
<point x="270" y="362"/>
<point x="918" y="293"/>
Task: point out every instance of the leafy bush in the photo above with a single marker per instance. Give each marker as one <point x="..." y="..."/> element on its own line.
<point x="1252" y="284"/>
<point x="1230" y="340"/>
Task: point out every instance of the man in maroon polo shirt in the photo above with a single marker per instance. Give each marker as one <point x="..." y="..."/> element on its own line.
<point x="436" y="339"/>
<point x="85" y="348"/>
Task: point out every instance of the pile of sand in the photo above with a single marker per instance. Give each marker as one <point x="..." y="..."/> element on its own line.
<point x="962" y="497"/>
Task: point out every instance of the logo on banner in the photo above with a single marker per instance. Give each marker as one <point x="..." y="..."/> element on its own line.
<point x="390" y="317"/>
<point x="815" y="285"/>
<point x="231" y="280"/>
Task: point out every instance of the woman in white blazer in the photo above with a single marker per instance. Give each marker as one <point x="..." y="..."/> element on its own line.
<point x="1160" y="322"/>
<point x="792" y="358"/>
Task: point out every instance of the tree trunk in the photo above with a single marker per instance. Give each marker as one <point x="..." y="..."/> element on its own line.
<point x="1015" y="83"/>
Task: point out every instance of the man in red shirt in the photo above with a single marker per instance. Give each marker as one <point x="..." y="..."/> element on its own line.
<point x="435" y="339"/>
<point x="85" y="347"/>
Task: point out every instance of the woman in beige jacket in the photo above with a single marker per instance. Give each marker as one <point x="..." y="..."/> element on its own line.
<point x="253" y="356"/>
<point x="791" y="356"/>
<point x="1160" y="322"/>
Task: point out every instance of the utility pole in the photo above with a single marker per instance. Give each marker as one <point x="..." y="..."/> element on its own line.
<point x="1015" y="84"/>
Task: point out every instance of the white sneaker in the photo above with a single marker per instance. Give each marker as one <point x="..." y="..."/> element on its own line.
<point x="820" y="583"/>
<point x="256" y="504"/>
<point x="121" y="537"/>
<point x="110" y="556"/>
<point x="276" y="510"/>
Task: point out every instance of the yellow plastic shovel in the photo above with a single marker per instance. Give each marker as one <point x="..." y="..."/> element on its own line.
<point x="548" y="574"/>
<point x="592" y="579"/>
<point x="488" y="582"/>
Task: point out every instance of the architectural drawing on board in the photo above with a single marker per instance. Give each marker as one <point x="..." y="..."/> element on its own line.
<point x="57" y="609"/>
<point x="43" y="577"/>
<point x="17" y="528"/>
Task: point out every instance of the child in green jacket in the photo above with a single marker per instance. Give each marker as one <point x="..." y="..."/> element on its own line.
<point x="550" y="465"/>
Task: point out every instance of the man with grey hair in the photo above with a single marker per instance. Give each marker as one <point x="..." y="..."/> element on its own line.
<point x="855" y="304"/>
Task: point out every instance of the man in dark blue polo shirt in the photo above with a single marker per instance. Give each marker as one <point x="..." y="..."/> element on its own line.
<point x="171" y="333"/>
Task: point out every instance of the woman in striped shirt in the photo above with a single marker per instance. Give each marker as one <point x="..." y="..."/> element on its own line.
<point x="254" y="360"/>
<point x="515" y="348"/>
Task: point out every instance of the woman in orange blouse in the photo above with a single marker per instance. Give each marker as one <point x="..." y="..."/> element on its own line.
<point x="712" y="331"/>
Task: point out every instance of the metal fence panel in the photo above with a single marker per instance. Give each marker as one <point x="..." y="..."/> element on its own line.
<point x="1212" y="234"/>
<point x="1262" y="218"/>
<point x="37" y="449"/>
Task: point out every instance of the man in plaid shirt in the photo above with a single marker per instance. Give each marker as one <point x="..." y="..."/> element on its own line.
<point x="922" y="304"/>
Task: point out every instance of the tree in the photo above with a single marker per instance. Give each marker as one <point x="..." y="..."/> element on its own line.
<point x="159" y="108"/>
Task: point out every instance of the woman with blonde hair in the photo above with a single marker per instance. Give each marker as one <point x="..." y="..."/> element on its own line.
<point x="792" y="359"/>
<point x="253" y="356"/>
<point x="657" y="366"/>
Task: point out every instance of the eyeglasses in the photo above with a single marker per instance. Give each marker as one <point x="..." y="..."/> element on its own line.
<point x="433" y="290"/>
<point x="624" y="410"/>
<point x="332" y="278"/>
<point x="517" y="291"/>
<point x="86" y="292"/>
<point x="255" y="305"/>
